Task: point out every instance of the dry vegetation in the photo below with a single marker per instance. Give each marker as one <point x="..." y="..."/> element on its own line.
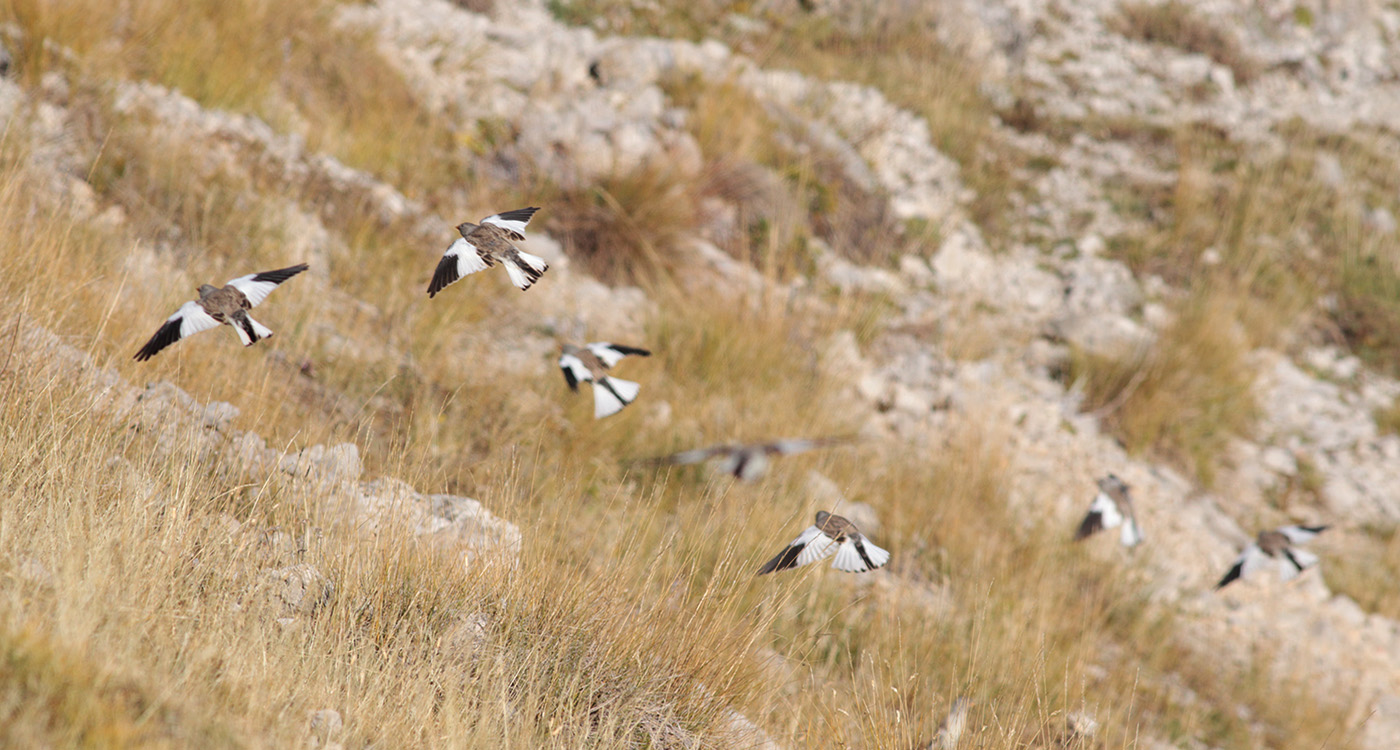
<point x="1185" y="397"/>
<point x="1178" y="24"/>
<point x="118" y="624"/>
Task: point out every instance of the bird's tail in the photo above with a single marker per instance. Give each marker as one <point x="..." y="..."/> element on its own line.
<point x="525" y="269"/>
<point x="250" y="331"/>
<point x="611" y="394"/>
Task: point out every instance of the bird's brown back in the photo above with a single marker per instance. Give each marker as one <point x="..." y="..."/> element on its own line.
<point x="490" y="238"/>
<point x="835" y="526"/>
<point x="1272" y="542"/>
<point x="221" y="303"/>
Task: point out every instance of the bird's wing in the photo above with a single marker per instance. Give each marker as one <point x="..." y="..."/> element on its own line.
<point x="692" y="456"/>
<point x="1301" y="534"/>
<point x="256" y="286"/>
<point x="512" y="221"/>
<point x="610" y="354"/>
<point x="190" y="319"/>
<point x="1249" y="561"/>
<point x="1109" y="517"/>
<point x="857" y="555"/>
<point x="461" y="259"/>
<point x="575" y="371"/>
<point x="1295" y="561"/>
<point x="815" y="546"/>
<point x="795" y="554"/>
<point x="789" y="446"/>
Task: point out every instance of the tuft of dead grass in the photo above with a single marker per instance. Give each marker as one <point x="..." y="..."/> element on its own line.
<point x="1372" y="559"/>
<point x="1177" y="24"/>
<point x="1187" y="395"/>
<point x="625" y="227"/>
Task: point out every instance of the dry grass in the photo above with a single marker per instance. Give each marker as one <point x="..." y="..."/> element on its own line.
<point x="639" y="632"/>
<point x="631" y="619"/>
<point x="1186" y="396"/>
<point x="289" y="67"/>
<point x="1176" y="24"/>
<point x="1364" y="573"/>
<point x="625" y="228"/>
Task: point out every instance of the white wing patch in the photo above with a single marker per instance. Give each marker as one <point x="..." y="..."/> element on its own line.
<point x="785" y="447"/>
<point x="1304" y="558"/>
<point x="193" y="319"/>
<point x="1107" y="510"/>
<point x="1298" y="534"/>
<point x="848" y="558"/>
<point x="468" y="259"/>
<point x="1131" y="536"/>
<point x="509" y="225"/>
<point x="605" y="353"/>
<point x="818" y="547"/>
<point x="1253" y="559"/>
<point x="576" y="367"/>
<point x="255" y="291"/>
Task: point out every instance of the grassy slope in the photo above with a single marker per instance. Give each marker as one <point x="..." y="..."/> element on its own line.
<point x="599" y="638"/>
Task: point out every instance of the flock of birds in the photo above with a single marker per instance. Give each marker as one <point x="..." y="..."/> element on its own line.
<point x="483" y="245"/>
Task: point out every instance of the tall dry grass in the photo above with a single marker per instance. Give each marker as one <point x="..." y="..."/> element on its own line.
<point x="631" y="618"/>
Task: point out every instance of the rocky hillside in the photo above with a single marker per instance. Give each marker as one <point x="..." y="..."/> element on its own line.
<point x="1013" y="247"/>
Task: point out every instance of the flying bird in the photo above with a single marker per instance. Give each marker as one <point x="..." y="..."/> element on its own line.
<point x="590" y="363"/>
<point x="481" y="245"/>
<point x="215" y="305"/>
<point x="1112" y="507"/>
<point x="831" y="534"/>
<point x="747" y="462"/>
<point x="1279" y="547"/>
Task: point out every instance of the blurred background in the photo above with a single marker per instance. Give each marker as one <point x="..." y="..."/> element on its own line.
<point x="1014" y="247"/>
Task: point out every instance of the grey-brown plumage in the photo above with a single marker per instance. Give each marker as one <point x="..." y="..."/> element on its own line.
<point x="748" y="461"/>
<point x="216" y="306"/>
<point x="481" y="245"/>
<point x="1278" y="546"/>
<point x="831" y="534"/>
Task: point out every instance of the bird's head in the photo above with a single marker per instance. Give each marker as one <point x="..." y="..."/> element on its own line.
<point x="1112" y="483"/>
<point x="207" y="289"/>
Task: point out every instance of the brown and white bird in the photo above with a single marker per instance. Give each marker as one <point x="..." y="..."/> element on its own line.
<point x="830" y="535"/>
<point x="747" y="462"/>
<point x="590" y="363"/>
<point x="227" y="305"/>
<point x="1112" y="507"/>
<point x="481" y="245"/>
<point x="1277" y="546"/>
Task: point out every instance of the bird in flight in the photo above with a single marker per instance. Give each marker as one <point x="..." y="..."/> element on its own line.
<point x="830" y="535"/>
<point x="590" y="363"/>
<point x="747" y="462"/>
<point x="481" y="245"/>
<point x="1112" y="507"/>
<point x="227" y="305"/>
<point x="1277" y="546"/>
